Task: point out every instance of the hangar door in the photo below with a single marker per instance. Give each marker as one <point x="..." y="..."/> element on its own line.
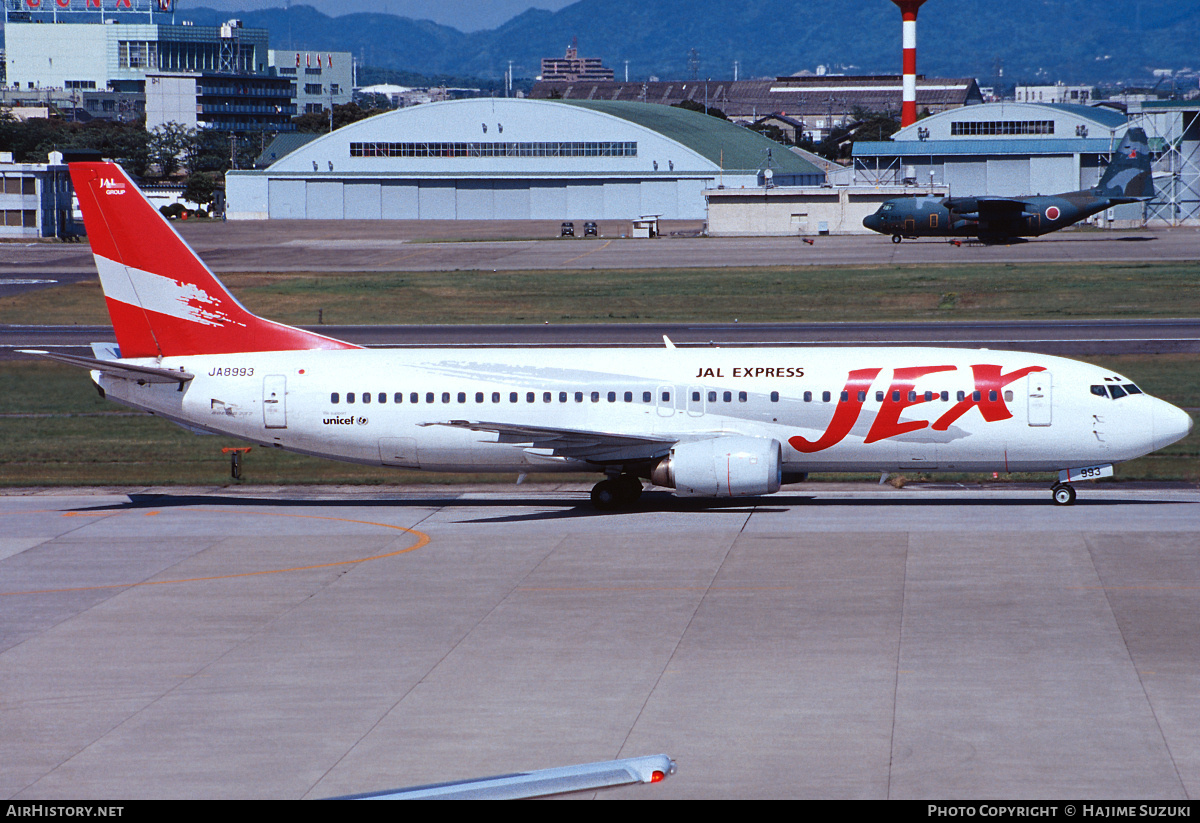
<point x="286" y="199"/>
<point x="323" y="200"/>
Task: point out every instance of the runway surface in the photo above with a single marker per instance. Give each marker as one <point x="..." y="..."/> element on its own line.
<point x="1060" y="337"/>
<point x="830" y="641"/>
<point x="363" y="246"/>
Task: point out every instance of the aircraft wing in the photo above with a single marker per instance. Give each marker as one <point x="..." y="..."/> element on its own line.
<point x="128" y="371"/>
<point x="542" y="783"/>
<point x="592" y="446"/>
<point x="988" y="208"/>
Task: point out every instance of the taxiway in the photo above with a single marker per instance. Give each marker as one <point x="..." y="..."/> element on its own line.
<point x="830" y="641"/>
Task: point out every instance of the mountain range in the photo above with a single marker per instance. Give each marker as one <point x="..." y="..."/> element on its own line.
<point x="1031" y="41"/>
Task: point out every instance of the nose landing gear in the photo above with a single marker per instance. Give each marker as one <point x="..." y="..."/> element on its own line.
<point x="1064" y="494"/>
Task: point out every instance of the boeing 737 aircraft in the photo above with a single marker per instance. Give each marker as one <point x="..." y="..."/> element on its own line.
<point x="999" y="219"/>
<point x="714" y="422"/>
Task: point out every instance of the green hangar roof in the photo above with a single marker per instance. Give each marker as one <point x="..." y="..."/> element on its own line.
<point x="729" y="146"/>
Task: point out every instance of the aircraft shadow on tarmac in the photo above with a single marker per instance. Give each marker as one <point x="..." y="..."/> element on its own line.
<point x="571" y="507"/>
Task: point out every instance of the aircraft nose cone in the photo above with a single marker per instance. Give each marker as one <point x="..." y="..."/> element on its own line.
<point x="1171" y="424"/>
<point x="871" y="221"/>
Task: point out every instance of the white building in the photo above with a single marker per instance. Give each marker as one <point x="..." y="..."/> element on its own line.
<point x="1001" y="149"/>
<point x="485" y="159"/>
<point x="323" y="78"/>
<point x="120" y="55"/>
<point x="35" y="199"/>
<point x="1058" y="93"/>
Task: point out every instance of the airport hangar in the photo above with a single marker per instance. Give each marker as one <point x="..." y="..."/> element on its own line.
<point x="999" y="149"/>
<point x="514" y="159"/>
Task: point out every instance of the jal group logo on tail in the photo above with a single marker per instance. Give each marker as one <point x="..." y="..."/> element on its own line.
<point x="111" y="186"/>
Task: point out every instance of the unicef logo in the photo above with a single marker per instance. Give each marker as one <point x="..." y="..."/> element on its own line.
<point x="362" y="421"/>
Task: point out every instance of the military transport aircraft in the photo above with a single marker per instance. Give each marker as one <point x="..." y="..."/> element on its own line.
<point x="1000" y="219"/>
<point x="713" y="422"/>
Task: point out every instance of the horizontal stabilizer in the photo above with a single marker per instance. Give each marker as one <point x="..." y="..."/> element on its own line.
<point x="116" y="368"/>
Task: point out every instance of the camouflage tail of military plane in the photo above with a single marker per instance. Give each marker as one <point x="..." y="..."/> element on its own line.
<point x="1000" y="219"/>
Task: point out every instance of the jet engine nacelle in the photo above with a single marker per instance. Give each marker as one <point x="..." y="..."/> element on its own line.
<point x="732" y="466"/>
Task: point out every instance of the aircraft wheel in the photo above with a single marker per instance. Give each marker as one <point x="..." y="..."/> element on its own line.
<point x="606" y="495"/>
<point x="616" y="493"/>
<point x="896" y="238"/>
<point x="1064" y="494"/>
<point x="630" y="489"/>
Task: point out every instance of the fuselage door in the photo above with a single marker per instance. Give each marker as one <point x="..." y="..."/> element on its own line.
<point x="1041" y="398"/>
<point x="275" y="401"/>
<point x="665" y="397"/>
<point x="695" y="401"/>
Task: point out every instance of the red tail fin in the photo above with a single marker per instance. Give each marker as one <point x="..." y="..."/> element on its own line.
<point x="161" y="297"/>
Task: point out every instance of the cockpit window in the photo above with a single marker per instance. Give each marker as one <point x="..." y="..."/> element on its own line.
<point x="887" y="207"/>
<point x="1114" y="391"/>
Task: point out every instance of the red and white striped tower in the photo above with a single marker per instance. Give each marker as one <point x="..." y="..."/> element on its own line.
<point x="908" y="108"/>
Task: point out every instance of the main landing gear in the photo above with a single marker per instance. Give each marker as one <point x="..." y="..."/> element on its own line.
<point x="1064" y="494"/>
<point x="619" y="492"/>
<point x="896" y="238"/>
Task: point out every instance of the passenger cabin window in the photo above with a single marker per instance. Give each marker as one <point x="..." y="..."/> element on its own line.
<point x="398" y="397"/>
<point x="349" y="397"/>
<point x="334" y="398"/>
<point x="825" y="397"/>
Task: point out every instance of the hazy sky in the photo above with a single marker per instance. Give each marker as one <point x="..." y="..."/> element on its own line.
<point x="464" y="15"/>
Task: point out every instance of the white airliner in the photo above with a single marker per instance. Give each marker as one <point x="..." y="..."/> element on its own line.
<point x="713" y="422"/>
